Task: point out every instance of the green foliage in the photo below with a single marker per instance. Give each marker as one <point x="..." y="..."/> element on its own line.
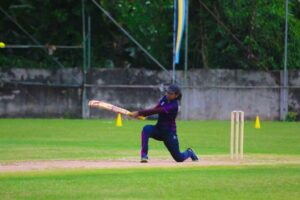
<point x="238" y="35"/>
<point x="291" y="116"/>
<point x="19" y="62"/>
<point x="259" y="27"/>
<point x="49" y="22"/>
<point x="151" y="23"/>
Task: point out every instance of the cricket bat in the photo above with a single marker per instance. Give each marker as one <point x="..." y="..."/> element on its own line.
<point x="110" y="107"/>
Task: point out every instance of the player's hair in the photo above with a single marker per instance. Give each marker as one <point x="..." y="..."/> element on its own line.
<point x="179" y="96"/>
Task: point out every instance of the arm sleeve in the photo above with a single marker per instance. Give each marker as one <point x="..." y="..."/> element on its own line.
<point x="157" y="105"/>
<point x="169" y="108"/>
<point x="156" y="110"/>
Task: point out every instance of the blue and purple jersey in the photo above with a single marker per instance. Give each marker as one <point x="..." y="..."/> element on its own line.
<point x="167" y="113"/>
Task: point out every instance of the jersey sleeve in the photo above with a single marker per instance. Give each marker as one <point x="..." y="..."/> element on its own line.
<point x="160" y="109"/>
<point x="152" y="111"/>
<point x="157" y="109"/>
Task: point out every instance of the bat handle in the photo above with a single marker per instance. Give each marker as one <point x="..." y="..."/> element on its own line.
<point x="139" y="117"/>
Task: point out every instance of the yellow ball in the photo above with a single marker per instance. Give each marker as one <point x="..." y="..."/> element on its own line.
<point x="2" y="45"/>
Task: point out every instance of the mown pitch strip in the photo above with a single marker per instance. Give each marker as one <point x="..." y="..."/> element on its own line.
<point x="154" y="163"/>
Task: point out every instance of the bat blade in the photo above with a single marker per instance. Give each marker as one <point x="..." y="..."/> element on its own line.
<point x="110" y="107"/>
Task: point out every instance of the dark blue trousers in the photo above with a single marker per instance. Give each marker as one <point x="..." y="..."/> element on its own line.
<point x="168" y="137"/>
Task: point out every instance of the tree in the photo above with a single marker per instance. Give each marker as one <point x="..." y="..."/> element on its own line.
<point x="231" y="34"/>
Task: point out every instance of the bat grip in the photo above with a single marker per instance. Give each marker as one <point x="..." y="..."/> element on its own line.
<point x="139" y="117"/>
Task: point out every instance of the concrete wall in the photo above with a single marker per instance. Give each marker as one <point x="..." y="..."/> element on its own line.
<point x="214" y="94"/>
<point x="208" y="94"/>
<point x="40" y="93"/>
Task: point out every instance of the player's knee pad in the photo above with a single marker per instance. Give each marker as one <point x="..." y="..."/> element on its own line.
<point x="147" y="129"/>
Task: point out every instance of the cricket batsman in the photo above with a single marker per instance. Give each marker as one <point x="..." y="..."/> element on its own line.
<point x="165" y="128"/>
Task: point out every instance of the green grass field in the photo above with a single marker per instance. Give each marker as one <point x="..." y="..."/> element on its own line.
<point x="272" y="182"/>
<point x="28" y="140"/>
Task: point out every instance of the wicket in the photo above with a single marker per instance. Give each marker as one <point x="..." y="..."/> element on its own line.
<point x="237" y="135"/>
